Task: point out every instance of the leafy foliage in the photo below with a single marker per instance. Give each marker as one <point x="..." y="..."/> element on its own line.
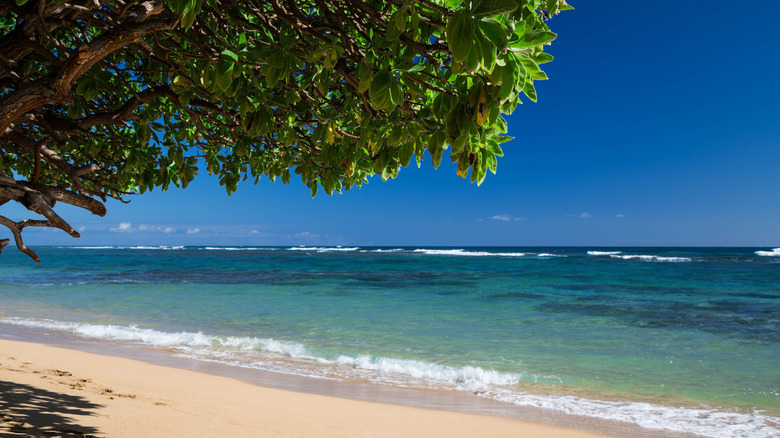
<point x="104" y="99"/>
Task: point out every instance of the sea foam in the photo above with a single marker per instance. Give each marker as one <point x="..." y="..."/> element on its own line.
<point x="773" y="253"/>
<point x="236" y="248"/>
<point x="461" y="252"/>
<point x="323" y="248"/>
<point x="603" y="253"/>
<point x="232" y="350"/>
<point x="652" y="258"/>
<point x="704" y="421"/>
<point x="203" y="346"/>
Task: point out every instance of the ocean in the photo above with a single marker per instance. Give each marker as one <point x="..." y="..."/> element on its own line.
<point x="682" y="339"/>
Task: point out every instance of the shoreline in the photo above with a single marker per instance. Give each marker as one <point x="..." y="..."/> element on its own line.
<point x="116" y="390"/>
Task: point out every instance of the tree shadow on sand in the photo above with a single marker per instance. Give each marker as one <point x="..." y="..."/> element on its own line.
<point x="26" y="411"/>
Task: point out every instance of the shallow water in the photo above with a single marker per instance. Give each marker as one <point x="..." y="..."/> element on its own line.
<point x="677" y="338"/>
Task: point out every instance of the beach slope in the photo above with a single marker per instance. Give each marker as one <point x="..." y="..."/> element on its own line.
<point x="48" y="391"/>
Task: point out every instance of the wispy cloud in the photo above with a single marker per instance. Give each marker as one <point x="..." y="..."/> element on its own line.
<point x="306" y="235"/>
<point x="586" y="215"/>
<point x="620" y="215"/>
<point x="193" y="230"/>
<point x="123" y="227"/>
<point x="128" y="227"/>
<point x="506" y="218"/>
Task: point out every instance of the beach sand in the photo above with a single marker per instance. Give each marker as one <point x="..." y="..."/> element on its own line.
<point x="49" y="391"/>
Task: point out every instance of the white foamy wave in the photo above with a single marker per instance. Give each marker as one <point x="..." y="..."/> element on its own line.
<point x="85" y="247"/>
<point x="652" y="258"/>
<point x="235" y="248"/>
<point x="545" y="254"/>
<point x="461" y="252"/>
<point x="186" y="341"/>
<point x="703" y="421"/>
<point x="773" y="253"/>
<point x="163" y="247"/>
<point x="388" y="250"/>
<point x="202" y="346"/>
<point x="233" y="350"/>
<point x="323" y="248"/>
<point x="468" y="378"/>
<point x="603" y="253"/>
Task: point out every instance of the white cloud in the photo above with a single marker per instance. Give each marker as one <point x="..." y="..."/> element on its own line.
<point x="501" y="217"/>
<point x="169" y="230"/>
<point x="193" y="230"/>
<point x="620" y="215"/>
<point x="586" y="215"/>
<point x="124" y="227"/>
<point x="306" y="234"/>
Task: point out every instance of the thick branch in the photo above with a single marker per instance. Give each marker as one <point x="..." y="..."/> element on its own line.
<point x="56" y="86"/>
<point x="16" y="229"/>
<point x="117" y="117"/>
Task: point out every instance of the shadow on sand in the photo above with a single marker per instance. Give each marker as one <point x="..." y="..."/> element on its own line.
<point x="26" y="411"/>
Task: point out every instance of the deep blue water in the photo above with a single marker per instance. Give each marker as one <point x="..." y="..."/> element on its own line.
<point x="693" y="333"/>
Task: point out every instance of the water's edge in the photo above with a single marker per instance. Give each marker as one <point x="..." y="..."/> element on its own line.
<point x="455" y="401"/>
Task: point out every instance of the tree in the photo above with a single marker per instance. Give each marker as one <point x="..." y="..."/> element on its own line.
<point x="102" y="99"/>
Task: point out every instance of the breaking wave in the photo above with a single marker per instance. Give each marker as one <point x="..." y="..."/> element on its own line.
<point x="260" y="353"/>
<point x="652" y="258"/>
<point x="603" y="253"/>
<point x="323" y="248"/>
<point x="461" y="252"/>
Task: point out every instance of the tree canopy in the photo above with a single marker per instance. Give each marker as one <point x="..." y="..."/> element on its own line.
<point x="103" y="99"/>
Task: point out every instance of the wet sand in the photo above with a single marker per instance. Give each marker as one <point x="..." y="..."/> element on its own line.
<point x="50" y="391"/>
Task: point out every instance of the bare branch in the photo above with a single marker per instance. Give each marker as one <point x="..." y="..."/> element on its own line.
<point x="16" y="229"/>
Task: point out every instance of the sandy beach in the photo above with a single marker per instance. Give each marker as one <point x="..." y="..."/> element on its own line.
<point x="49" y="391"/>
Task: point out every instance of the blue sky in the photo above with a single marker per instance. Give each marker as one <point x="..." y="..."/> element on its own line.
<point x="660" y="125"/>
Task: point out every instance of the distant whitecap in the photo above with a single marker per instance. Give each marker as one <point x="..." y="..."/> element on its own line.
<point x="773" y="253"/>
<point x="652" y="258"/>
<point x="461" y="252"/>
<point x="603" y="253"/>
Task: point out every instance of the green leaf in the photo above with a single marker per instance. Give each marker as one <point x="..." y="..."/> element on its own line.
<point x="491" y="8"/>
<point x="552" y="7"/>
<point x="488" y="53"/>
<point x="224" y="74"/>
<point x="83" y="85"/>
<point x="530" y="90"/>
<point x="495" y="32"/>
<point x="460" y="35"/>
<point x="188" y="18"/>
<point x="543" y="58"/>
<point x="379" y="90"/>
<point x="507" y="84"/>
<point x="492" y="163"/>
<point x="494" y="148"/>
<point x="534" y="38"/>
<point x="364" y="72"/>
<point x="474" y="59"/>
<point x="395" y="27"/>
<point x="396" y="94"/>
<point x="229" y="56"/>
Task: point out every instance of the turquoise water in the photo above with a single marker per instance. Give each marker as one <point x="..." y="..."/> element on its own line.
<point x="678" y="338"/>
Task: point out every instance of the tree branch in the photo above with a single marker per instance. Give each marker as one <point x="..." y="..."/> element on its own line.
<point x="16" y="229"/>
<point x="56" y="86"/>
